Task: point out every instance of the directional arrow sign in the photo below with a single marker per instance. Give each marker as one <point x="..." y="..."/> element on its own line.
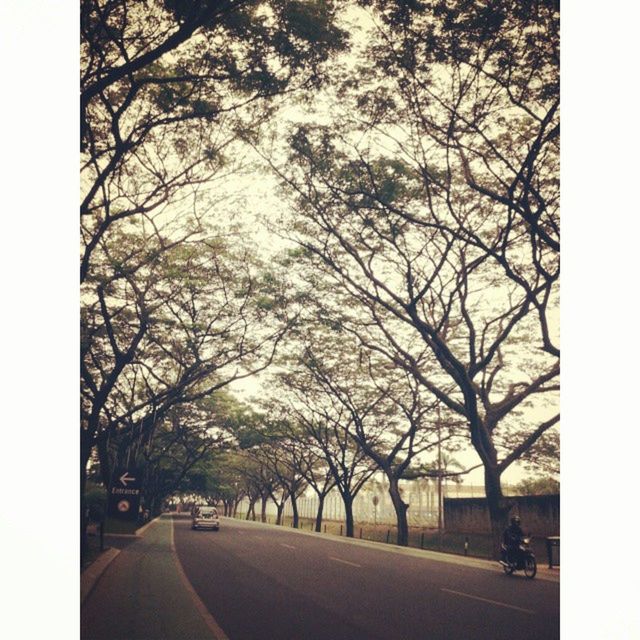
<point x="125" y="478"/>
<point x="124" y="494"/>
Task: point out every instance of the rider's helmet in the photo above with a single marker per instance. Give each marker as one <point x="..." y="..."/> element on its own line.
<point x="515" y="520"/>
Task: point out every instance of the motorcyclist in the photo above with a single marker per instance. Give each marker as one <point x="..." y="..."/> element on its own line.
<point x="512" y="538"/>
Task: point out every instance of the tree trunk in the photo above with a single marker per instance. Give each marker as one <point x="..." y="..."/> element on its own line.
<point x="251" y="509"/>
<point x="280" y="509"/>
<point x="263" y="508"/>
<point x="319" y="513"/>
<point x="498" y="508"/>
<point x="85" y="454"/>
<point x="294" y="509"/>
<point x="103" y="458"/>
<point x="348" y="511"/>
<point x="401" y="512"/>
<point x="156" y="506"/>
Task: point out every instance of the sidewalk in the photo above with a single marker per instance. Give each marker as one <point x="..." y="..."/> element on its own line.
<point x="138" y="592"/>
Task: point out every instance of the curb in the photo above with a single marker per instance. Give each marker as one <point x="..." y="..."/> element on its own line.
<point x="141" y="530"/>
<point x="90" y="576"/>
<point x="92" y="573"/>
<point x="138" y="533"/>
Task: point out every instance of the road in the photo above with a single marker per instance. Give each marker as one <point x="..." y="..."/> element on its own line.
<point x="260" y="582"/>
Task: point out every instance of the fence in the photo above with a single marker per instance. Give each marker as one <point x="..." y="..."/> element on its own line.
<point x="421" y="495"/>
<point x="540" y="514"/>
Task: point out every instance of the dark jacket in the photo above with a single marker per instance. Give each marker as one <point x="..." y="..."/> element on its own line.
<point x="512" y="535"/>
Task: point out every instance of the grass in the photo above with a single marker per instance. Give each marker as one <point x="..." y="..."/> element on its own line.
<point x="92" y="551"/>
<point x="112" y="525"/>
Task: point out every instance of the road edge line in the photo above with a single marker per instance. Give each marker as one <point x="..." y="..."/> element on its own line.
<point x="209" y="620"/>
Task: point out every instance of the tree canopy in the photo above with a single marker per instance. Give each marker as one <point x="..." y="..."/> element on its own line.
<point x="406" y="296"/>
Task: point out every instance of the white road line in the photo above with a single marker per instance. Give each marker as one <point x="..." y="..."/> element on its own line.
<point x="282" y="544"/>
<point x="351" y="564"/>
<point x="209" y="620"/>
<point x="500" y="604"/>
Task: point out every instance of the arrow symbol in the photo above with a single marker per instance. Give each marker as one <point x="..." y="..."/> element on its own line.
<point x="125" y="477"/>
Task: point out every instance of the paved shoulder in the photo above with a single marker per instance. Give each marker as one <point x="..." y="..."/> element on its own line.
<point x="144" y="595"/>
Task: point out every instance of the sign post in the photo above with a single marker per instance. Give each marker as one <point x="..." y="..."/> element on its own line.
<point x="124" y="494"/>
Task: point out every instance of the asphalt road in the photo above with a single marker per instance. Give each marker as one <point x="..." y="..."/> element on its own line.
<point x="262" y="582"/>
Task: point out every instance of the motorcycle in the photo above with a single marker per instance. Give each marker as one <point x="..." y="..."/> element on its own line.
<point x="524" y="560"/>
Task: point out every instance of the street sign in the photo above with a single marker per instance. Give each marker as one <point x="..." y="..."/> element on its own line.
<point x="124" y="494"/>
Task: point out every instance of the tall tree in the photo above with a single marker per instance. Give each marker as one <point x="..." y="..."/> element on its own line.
<point x="167" y="88"/>
<point x="329" y="457"/>
<point x="355" y="403"/>
<point x="431" y="199"/>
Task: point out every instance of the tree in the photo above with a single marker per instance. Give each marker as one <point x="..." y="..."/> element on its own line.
<point x="311" y="465"/>
<point x="164" y="325"/>
<point x="167" y="88"/>
<point x="187" y="451"/>
<point x="380" y="410"/>
<point x="328" y="457"/>
<point x="478" y="87"/>
<point x="537" y="486"/>
<point x="168" y="85"/>
<point x="431" y="199"/>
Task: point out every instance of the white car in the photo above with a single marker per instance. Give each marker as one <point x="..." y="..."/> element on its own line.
<point x="205" y="518"/>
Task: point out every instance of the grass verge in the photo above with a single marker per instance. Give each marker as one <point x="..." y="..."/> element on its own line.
<point x="477" y="545"/>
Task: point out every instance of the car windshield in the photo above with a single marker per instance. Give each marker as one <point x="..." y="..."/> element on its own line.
<point x="206" y="512"/>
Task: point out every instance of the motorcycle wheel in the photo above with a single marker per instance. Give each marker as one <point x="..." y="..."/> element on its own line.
<point x="508" y="569"/>
<point x="530" y="567"/>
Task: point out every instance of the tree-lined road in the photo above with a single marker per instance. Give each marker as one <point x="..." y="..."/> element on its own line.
<point x="263" y="582"/>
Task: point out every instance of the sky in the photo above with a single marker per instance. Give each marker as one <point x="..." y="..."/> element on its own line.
<point x="38" y="326"/>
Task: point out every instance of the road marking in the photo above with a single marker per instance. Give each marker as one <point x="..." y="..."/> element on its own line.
<point x="500" y="604"/>
<point x="282" y="544"/>
<point x="351" y="564"/>
<point x="209" y="620"/>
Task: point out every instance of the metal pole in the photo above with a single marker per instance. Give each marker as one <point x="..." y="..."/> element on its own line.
<point x="440" y="501"/>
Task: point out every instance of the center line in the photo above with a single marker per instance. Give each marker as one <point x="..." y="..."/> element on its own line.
<point x="287" y="545"/>
<point x="500" y="604"/>
<point x="352" y="564"/>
